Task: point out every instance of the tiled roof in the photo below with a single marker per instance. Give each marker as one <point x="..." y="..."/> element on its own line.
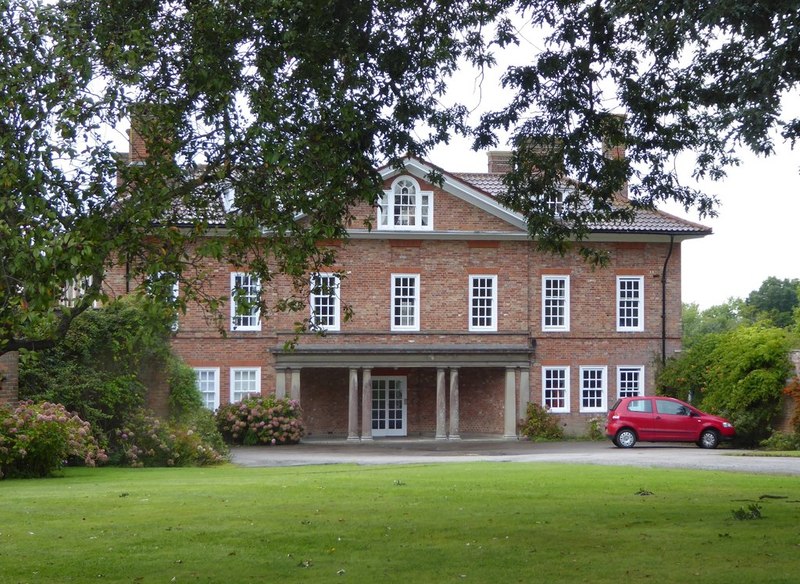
<point x="646" y="221"/>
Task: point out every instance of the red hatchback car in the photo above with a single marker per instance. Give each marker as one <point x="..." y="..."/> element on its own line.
<point x="664" y="419"/>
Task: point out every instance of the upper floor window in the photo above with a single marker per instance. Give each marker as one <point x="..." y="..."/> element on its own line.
<point x="324" y="301"/>
<point x="630" y="381"/>
<point x="164" y="287"/>
<point x="555" y="303"/>
<point x="483" y="303"/>
<point x="405" y="206"/>
<point x="630" y="300"/>
<point x="245" y="311"/>
<point x="405" y="302"/>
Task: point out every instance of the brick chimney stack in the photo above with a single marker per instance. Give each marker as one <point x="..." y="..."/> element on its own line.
<point x="137" y="149"/>
<point x="499" y="161"/>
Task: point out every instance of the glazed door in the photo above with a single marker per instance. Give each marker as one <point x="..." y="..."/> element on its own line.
<point x="389" y="406"/>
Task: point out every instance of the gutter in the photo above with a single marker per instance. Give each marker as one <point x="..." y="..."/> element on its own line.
<point x="664" y="301"/>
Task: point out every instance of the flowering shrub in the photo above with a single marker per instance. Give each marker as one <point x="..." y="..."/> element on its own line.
<point x="144" y="440"/>
<point x="261" y="420"/>
<point x="540" y="424"/>
<point x="596" y="428"/>
<point x="38" y="438"/>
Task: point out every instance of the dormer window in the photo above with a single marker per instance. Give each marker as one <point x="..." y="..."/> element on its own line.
<point x="555" y="203"/>
<point x="405" y="206"/>
<point x="228" y="198"/>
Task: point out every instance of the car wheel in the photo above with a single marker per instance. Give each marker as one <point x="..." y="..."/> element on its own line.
<point x="625" y="438"/>
<point x="708" y="439"/>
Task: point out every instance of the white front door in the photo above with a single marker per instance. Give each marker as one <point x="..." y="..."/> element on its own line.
<point x="389" y="406"/>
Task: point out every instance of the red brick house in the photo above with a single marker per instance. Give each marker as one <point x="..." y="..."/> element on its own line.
<point x="458" y="321"/>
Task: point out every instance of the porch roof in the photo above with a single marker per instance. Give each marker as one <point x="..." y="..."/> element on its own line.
<point x="403" y="356"/>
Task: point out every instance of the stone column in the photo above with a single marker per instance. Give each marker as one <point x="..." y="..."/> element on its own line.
<point x="280" y="383"/>
<point x="366" y="404"/>
<point x="352" y="406"/>
<point x="524" y="391"/>
<point x="454" y="419"/>
<point x="441" y="405"/>
<point x="510" y="409"/>
<point x="295" y="388"/>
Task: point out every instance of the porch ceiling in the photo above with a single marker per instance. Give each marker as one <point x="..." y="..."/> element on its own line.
<point x="403" y="356"/>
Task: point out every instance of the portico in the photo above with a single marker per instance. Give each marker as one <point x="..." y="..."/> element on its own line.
<point x="376" y="386"/>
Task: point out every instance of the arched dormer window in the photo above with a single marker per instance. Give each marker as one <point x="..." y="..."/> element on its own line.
<point x="405" y="206"/>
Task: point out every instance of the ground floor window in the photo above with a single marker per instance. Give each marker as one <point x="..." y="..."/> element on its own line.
<point x="593" y="389"/>
<point x="630" y="381"/>
<point x="208" y="385"/>
<point x="555" y="389"/>
<point x="245" y="381"/>
<point x="389" y="406"/>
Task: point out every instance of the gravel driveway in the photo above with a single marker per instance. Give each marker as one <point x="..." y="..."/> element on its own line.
<point x="408" y="451"/>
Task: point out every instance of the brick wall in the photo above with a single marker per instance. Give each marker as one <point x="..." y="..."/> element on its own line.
<point x="9" y="378"/>
<point x="444" y="265"/>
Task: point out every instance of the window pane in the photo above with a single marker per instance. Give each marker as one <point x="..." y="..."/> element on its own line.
<point x="244" y="382"/>
<point x="245" y="293"/>
<point x="555" y="307"/>
<point x="593" y="388"/>
<point x="629" y="303"/>
<point x="325" y="301"/>
<point x="207" y="385"/>
<point x="629" y="383"/>
<point x="404" y="302"/>
<point x="555" y="389"/>
<point x="483" y="303"/>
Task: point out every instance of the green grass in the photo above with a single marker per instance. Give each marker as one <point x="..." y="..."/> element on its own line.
<point x="472" y="522"/>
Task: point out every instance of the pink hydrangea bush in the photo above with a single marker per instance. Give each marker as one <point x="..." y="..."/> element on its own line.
<point x="144" y="440"/>
<point x="261" y="420"/>
<point x="39" y="438"/>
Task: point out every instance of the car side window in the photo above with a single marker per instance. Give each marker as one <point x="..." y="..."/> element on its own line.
<point x="640" y="406"/>
<point x="669" y="407"/>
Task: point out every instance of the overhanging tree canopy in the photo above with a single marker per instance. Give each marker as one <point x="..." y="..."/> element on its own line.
<point x="293" y="104"/>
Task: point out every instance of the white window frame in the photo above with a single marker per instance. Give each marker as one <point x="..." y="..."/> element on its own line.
<point x="255" y="313"/>
<point x="401" y="386"/>
<point x="256" y="390"/>
<point x="598" y="385"/>
<point x="215" y="398"/>
<point x="395" y="307"/>
<point x="326" y="295"/>
<point x="482" y="308"/>
<point x="549" y="301"/>
<point x="389" y="213"/>
<point x="547" y="399"/>
<point x="630" y="307"/>
<point x="639" y="369"/>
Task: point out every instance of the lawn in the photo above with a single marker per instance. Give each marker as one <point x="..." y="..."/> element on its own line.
<point x="473" y="522"/>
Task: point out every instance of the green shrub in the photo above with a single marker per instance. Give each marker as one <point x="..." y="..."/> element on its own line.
<point x="596" y="428"/>
<point x="781" y="441"/>
<point x="261" y="420"/>
<point x="39" y="438"/>
<point x="144" y="440"/>
<point x="96" y="370"/>
<point x="540" y="424"/>
<point x="184" y="398"/>
<point x="739" y="374"/>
